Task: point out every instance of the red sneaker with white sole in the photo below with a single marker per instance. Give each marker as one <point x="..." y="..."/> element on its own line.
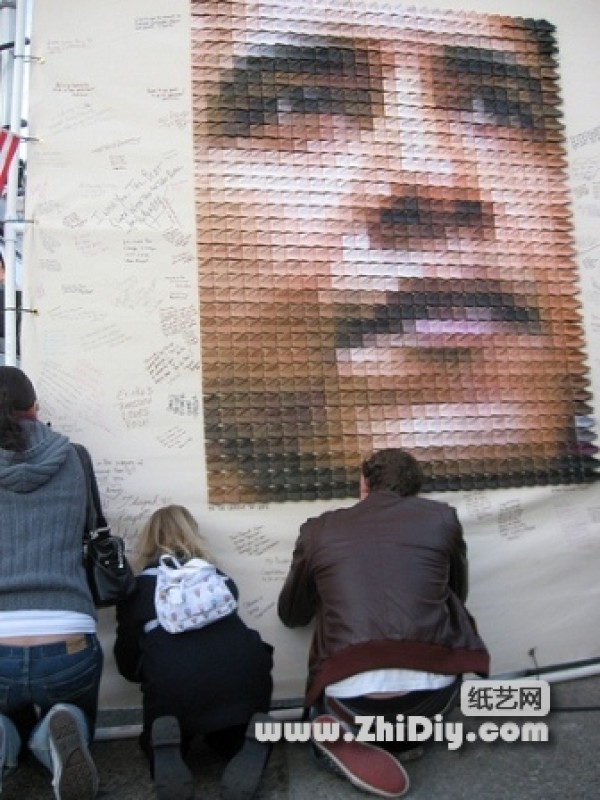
<point x="366" y="766"/>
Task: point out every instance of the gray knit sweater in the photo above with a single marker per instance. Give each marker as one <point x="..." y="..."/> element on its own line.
<point x="42" y="514"/>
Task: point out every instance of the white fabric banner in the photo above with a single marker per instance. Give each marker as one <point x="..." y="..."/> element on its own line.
<point x="117" y="200"/>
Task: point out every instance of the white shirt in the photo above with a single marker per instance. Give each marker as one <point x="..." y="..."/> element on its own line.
<point x="388" y="680"/>
<point x="41" y="622"/>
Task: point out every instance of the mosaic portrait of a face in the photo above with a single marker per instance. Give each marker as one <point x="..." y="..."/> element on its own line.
<point x="385" y="249"/>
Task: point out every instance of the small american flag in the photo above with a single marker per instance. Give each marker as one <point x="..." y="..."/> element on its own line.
<point x="8" y="147"/>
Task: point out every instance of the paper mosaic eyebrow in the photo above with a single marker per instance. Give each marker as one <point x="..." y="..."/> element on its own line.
<point x="385" y="250"/>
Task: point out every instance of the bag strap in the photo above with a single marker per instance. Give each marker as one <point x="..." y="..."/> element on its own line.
<point x="152" y="624"/>
<point x="95" y="521"/>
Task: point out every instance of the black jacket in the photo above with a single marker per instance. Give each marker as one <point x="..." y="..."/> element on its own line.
<point x="210" y="678"/>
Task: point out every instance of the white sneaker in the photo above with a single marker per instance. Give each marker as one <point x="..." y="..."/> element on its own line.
<point x="75" y="776"/>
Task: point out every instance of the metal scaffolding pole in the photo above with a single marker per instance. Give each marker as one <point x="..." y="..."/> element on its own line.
<point x="16" y="14"/>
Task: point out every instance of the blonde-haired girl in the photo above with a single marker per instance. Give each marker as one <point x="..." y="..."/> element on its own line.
<point x="206" y="682"/>
<point x="171" y="530"/>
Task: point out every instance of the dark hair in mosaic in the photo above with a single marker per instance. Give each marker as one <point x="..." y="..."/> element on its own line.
<point x="16" y="395"/>
<point x="395" y="470"/>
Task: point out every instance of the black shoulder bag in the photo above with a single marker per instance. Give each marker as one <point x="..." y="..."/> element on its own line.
<point x="108" y="571"/>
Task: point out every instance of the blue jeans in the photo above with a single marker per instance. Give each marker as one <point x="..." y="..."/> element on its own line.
<point x="40" y="677"/>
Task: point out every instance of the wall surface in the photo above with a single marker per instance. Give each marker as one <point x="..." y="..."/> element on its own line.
<point x="111" y="259"/>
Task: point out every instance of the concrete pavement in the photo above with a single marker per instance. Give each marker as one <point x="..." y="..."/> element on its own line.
<point x="568" y="766"/>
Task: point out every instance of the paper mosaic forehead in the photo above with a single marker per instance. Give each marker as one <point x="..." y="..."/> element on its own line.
<point x="385" y="251"/>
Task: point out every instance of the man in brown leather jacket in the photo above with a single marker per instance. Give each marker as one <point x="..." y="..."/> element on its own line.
<point x="386" y="580"/>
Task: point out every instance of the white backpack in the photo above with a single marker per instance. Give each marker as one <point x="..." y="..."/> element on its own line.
<point x="188" y="596"/>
